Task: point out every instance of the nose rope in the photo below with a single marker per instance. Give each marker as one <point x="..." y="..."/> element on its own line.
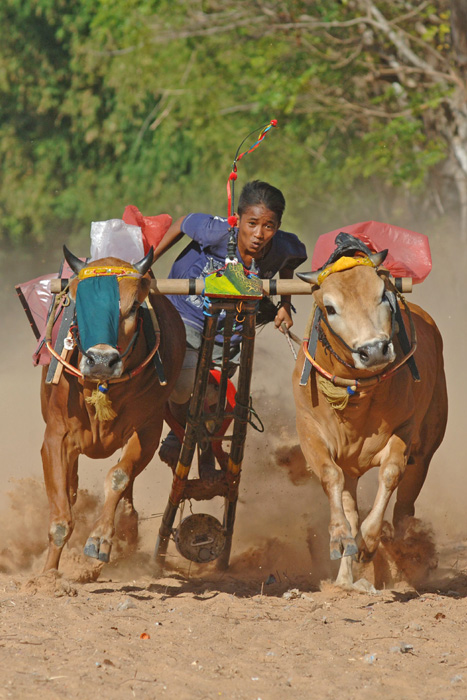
<point x="328" y="348"/>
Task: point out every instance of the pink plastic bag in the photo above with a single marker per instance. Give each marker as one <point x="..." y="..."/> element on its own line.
<point x="409" y="252"/>
<point x="153" y="227"/>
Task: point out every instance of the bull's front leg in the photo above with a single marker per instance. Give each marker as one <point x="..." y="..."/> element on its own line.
<point x="318" y="453"/>
<point x="391" y="471"/>
<point x="331" y="476"/>
<point x="60" y="465"/>
<point x="349" y="501"/>
<point x="136" y="454"/>
<point x="342" y="542"/>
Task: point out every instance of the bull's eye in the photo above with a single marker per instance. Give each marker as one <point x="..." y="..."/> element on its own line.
<point x="134" y="308"/>
<point x="330" y="310"/>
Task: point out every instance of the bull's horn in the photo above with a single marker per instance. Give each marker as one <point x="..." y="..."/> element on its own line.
<point x="378" y="258"/>
<point x="311" y="277"/>
<point x="75" y="263"/>
<point x="145" y="263"/>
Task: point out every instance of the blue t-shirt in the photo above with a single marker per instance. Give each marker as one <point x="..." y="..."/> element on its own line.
<point x="207" y="252"/>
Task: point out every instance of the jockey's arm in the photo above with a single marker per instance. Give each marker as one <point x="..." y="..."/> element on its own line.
<point x="173" y="235"/>
<point x="284" y="314"/>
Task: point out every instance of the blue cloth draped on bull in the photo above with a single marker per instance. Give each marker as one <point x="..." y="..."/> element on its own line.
<point x="97" y="311"/>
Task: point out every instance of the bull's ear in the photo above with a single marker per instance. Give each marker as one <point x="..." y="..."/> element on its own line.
<point x="145" y="263"/>
<point x="75" y="263"/>
<point x="311" y="277"/>
<point x="378" y="258"/>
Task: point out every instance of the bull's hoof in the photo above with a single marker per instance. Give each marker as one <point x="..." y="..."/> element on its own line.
<point x="104" y="550"/>
<point x="351" y="550"/>
<point x="343" y="548"/>
<point x="91" y="548"/>
<point x="98" y="549"/>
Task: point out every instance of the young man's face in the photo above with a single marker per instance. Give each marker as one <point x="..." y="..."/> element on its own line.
<point x="256" y="226"/>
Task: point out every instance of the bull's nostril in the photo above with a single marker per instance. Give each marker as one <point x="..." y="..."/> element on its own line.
<point x="363" y="355"/>
<point x="101" y="360"/>
<point x="385" y="348"/>
<point x="114" y="360"/>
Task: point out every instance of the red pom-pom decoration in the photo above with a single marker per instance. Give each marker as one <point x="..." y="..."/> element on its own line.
<point x="232" y="220"/>
<point x="273" y="122"/>
<point x="233" y="175"/>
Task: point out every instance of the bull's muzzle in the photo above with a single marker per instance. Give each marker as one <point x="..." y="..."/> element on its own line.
<point x="101" y="363"/>
<point x="374" y="355"/>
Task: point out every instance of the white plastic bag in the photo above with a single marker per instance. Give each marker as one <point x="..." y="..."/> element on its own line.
<point x="114" y="238"/>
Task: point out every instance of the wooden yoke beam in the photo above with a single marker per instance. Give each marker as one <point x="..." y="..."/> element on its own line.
<point x="196" y="286"/>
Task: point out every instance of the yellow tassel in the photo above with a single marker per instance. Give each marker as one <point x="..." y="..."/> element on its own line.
<point x="101" y="402"/>
<point x="337" y="396"/>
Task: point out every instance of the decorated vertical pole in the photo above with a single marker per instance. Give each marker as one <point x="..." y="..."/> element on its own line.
<point x="232" y="218"/>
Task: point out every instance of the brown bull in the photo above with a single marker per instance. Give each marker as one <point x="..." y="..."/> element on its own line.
<point x="391" y="421"/>
<point x="137" y="402"/>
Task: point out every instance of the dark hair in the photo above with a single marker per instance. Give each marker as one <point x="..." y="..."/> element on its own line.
<point x="258" y="192"/>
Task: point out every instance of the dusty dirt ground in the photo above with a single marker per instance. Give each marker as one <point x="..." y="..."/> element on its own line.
<point x="272" y="626"/>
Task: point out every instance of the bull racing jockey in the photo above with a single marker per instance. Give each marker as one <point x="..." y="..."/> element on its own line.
<point x="259" y="240"/>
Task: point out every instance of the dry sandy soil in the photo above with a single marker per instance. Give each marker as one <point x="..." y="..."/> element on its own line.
<point x="273" y="626"/>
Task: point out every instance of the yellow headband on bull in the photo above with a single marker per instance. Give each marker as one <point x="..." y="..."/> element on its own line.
<point x="344" y="263"/>
<point x="341" y="264"/>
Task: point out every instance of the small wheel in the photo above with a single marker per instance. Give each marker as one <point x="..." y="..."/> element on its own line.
<point x="200" y="538"/>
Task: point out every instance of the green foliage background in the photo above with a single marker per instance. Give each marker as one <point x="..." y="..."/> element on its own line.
<point x="104" y="104"/>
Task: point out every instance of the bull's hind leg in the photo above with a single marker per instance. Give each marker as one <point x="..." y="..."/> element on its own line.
<point x="137" y="453"/>
<point x="431" y="436"/>
<point x="409" y="488"/>
<point x="61" y="481"/>
<point x="127" y="522"/>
